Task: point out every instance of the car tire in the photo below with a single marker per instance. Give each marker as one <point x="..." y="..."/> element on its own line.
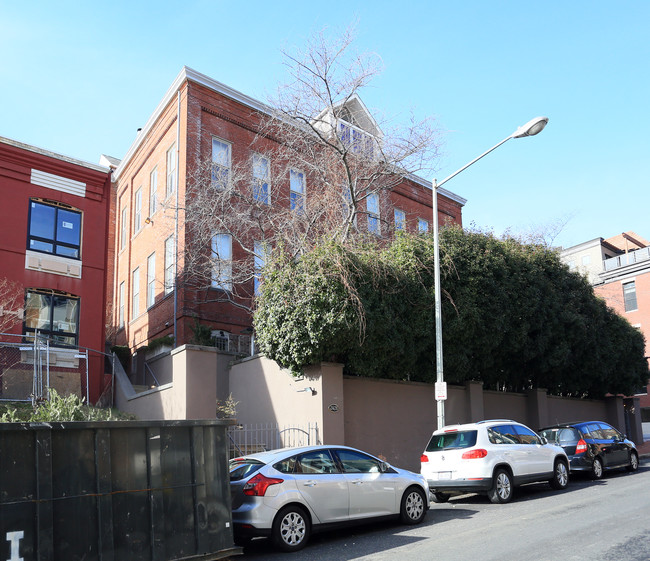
<point x="414" y="506"/>
<point x="291" y="529"/>
<point x="560" y="477"/>
<point x="501" y="491"/>
<point x="634" y="462"/>
<point x="597" y="469"/>
<point x="440" y="497"/>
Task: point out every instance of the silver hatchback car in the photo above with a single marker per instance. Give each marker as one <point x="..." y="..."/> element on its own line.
<point x="285" y="494"/>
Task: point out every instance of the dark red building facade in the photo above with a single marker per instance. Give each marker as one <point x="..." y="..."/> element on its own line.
<point x="54" y="247"/>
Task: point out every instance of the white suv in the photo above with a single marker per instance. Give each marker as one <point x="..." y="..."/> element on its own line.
<point x="490" y="457"/>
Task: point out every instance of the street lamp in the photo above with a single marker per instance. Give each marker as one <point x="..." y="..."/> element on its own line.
<point x="531" y="128"/>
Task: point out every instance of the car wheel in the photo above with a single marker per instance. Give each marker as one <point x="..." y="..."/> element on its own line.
<point x="634" y="462"/>
<point x="290" y="529"/>
<point x="440" y="497"/>
<point x="597" y="469"/>
<point x="414" y="504"/>
<point x="560" y="475"/>
<point x="501" y="491"/>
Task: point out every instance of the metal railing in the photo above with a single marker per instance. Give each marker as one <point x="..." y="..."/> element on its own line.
<point x="249" y="439"/>
<point x="630" y="258"/>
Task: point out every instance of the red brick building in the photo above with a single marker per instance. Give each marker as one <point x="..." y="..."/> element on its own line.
<point x="619" y="270"/>
<point x="54" y="247"/>
<point x="197" y="118"/>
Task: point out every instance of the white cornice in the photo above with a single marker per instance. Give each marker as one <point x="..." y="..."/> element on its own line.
<point x="187" y="73"/>
<point x="54" y="155"/>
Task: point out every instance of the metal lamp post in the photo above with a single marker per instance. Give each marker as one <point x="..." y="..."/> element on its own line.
<point x="531" y="128"/>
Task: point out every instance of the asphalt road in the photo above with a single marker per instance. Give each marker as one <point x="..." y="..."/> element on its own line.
<point x="607" y="520"/>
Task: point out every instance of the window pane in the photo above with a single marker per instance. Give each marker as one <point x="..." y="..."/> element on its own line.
<point x="64" y="316"/>
<point x="42" y="221"/>
<point x="68" y="228"/>
<point x="355" y="462"/>
<point x="629" y="296"/>
<point x="37" y="311"/>
<point x="372" y="204"/>
<point x="317" y="462"/>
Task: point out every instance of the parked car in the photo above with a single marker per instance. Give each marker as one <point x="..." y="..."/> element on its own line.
<point x="491" y="457"/>
<point x="286" y="494"/>
<point x="593" y="446"/>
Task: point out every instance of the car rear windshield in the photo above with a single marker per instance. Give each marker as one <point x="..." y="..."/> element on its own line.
<point x="241" y="468"/>
<point x="561" y="435"/>
<point x="452" y="440"/>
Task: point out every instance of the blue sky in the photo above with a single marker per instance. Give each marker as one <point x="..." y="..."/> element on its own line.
<point x="79" y="78"/>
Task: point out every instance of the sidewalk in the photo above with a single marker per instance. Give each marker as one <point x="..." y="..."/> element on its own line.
<point x="644" y="449"/>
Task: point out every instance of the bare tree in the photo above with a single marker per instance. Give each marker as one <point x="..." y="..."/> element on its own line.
<point x="11" y="304"/>
<point x="318" y="136"/>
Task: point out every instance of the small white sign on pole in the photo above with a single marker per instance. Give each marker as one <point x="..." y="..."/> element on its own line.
<point x="441" y="391"/>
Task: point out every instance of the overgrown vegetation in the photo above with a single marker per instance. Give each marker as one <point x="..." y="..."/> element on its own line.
<point x="514" y="316"/>
<point x="58" y="409"/>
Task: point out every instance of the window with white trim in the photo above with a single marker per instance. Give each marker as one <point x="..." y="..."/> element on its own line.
<point x="151" y="280"/>
<point x="54" y="229"/>
<point x="261" y="179"/>
<point x="153" y="188"/>
<point x="372" y="208"/>
<point x="120" y="299"/>
<point x="135" y="291"/>
<point x="629" y="296"/>
<point x="137" y="210"/>
<point x="423" y="225"/>
<point x="53" y="314"/>
<point x="170" y="187"/>
<point x="296" y="190"/>
<point x="170" y="258"/>
<point x="220" y="163"/>
<point x="262" y="253"/>
<point x="356" y="140"/>
<point x="400" y="219"/>
<point x="222" y="262"/>
<point x="124" y="224"/>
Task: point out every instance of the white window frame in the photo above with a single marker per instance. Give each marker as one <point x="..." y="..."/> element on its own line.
<point x="222" y="262"/>
<point x="135" y="293"/>
<point x="137" y="210"/>
<point x="151" y="280"/>
<point x="261" y="179"/>
<point x="124" y="227"/>
<point x="297" y="188"/>
<point x="120" y="300"/>
<point x="423" y="226"/>
<point x="372" y="208"/>
<point x="262" y="252"/>
<point x="171" y="163"/>
<point x="170" y="262"/>
<point x="221" y="162"/>
<point x="400" y="219"/>
<point x="153" y="189"/>
<point x="632" y="292"/>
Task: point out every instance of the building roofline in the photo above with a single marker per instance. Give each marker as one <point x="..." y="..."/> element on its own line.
<point x="55" y="155"/>
<point x="187" y="74"/>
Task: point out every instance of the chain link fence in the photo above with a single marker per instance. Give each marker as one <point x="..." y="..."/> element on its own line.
<point x="29" y="367"/>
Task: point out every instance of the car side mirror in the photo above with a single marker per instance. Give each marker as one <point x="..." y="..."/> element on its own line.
<point x="544" y="440"/>
<point x="384" y="467"/>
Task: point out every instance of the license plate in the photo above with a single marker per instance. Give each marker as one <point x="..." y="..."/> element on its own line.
<point x="444" y="475"/>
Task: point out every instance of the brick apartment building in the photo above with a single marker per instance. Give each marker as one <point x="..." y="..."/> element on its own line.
<point x="54" y="248"/>
<point x="619" y="270"/>
<point x="200" y="119"/>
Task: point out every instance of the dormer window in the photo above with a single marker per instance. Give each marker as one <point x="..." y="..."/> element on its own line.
<point x="357" y="141"/>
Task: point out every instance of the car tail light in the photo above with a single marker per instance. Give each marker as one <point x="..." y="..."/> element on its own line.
<point x="424" y="458"/>
<point x="581" y="447"/>
<point x="257" y="486"/>
<point x="474" y="454"/>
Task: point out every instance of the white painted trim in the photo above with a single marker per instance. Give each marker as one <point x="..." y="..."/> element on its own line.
<point x="58" y="183"/>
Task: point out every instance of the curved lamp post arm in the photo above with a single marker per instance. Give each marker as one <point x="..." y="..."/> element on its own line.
<point x="531" y="128"/>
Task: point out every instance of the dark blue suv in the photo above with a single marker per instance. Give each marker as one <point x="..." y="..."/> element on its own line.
<point x="593" y="446"/>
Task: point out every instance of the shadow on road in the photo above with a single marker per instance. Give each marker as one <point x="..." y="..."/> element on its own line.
<point x="356" y="541"/>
